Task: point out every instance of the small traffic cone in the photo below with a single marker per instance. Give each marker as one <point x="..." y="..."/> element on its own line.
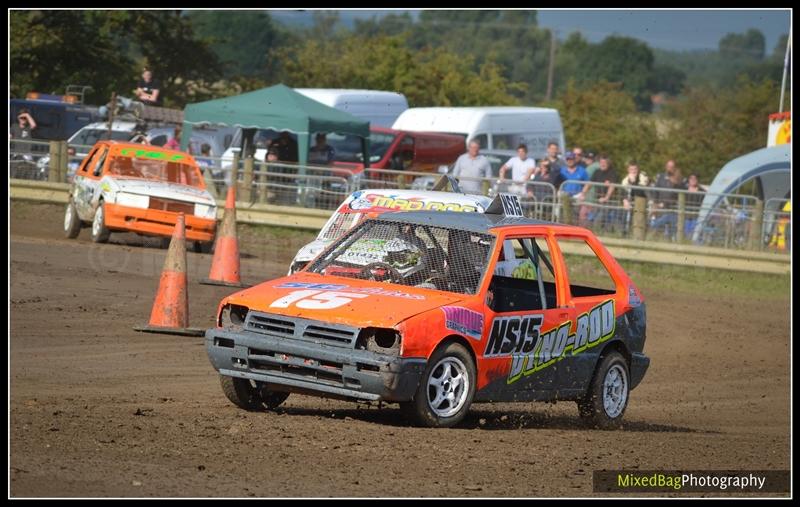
<point x="225" y="264"/>
<point x="170" y="313"/>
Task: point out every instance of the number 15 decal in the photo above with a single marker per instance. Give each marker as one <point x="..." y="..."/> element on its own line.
<point x="316" y="300"/>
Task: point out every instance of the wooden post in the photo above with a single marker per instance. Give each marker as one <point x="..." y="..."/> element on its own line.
<point x="757" y="226"/>
<point x="233" y="177"/>
<point x="247" y="190"/>
<point x="262" y="180"/>
<point x="485" y="187"/>
<point x="566" y="208"/>
<point x="681" y="216"/>
<point x="55" y="161"/>
<point x="639" y="217"/>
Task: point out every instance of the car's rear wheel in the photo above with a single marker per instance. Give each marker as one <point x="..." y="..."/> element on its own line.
<point x="72" y="224"/>
<point x="100" y="232"/>
<point x="607" y="398"/>
<point x="251" y="395"/>
<point x="446" y="389"/>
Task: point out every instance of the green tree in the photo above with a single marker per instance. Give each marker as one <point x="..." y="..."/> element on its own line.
<point x="711" y="127"/>
<point x="750" y="44"/>
<point x="242" y="40"/>
<point x="50" y="49"/>
<point x="604" y="118"/>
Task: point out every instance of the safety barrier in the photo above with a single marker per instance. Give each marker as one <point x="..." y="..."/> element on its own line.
<point x="674" y="217"/>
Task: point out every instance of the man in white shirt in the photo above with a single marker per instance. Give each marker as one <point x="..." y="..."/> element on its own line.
<point x="472" y="165"/>
<point x="520" y="165"/>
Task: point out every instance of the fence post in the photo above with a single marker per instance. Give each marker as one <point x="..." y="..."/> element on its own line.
<point x="639" y="217"/>
<point x="64" y="165"/>
<point x="262" y="180"/>
<point x="681" y="216"/>
<point x="485" y="187"/>
<point x="401" y="181"/>
<point x="234" y="175"/>
<point x="247" y="184"/>
<point x="757" y="229"/>
<point x="55" y="161"/>
<point x="566" y="207"/>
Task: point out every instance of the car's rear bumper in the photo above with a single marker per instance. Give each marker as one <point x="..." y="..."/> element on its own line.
<point x="639" y="365"/>
<point x="305" y="366"/>
<point x="157" y="222"/>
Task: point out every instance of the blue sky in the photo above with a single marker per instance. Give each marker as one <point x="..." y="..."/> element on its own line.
<point x="666" y="29"/>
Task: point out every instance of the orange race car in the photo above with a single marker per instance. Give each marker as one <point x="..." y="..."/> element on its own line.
<point x="437" y="310"/>
<point x="140" y="188"/>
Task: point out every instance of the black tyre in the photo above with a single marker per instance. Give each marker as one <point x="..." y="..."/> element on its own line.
<point x="72" y="224"/>
<point x="607" y="398"/>
<point x="100" y="232"/>
<point x="251" y="395"/>
<point x="446" y="389"/>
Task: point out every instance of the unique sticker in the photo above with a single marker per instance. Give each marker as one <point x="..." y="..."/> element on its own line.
<point x="463" y="321"/>
<point x="315" y="299"/>
<point x="532" y="350"/>
<point x="373" y="291"/>
<point x="384" y="202"/>
<point x="155" y="155"/>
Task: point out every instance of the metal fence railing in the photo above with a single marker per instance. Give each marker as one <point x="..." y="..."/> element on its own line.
<point x="611" y="210"/>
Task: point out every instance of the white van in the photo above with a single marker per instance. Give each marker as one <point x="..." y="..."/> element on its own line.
<point x="379" y="108"/>
<point x="495" y="128"/>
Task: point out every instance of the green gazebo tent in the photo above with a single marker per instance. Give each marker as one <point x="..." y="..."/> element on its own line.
<point x="279" y="108"/>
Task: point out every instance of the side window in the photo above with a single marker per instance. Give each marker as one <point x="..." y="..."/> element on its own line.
<point x="587" y="274"/>
<point x="483" y="140"/>
<point x="87" y="162"/>
<point x="101" y="159"/>
<point x="159" y="140"/>
<point x="523" y="278"/>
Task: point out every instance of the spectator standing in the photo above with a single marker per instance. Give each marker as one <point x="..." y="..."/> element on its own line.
<point x="286" y="147"/>
<point x="605" y="175"/>
<point x="694" y="200"/>
<point x="148" y="89"/>
<point x="321" y="153"/>
<point x="24" y="127"/>
<point x="591" y="163"/>
<point x="636" y="182"/>
<point x="556" y="161"/>
<point x="521" y="168"/>
<point x="474" y="166"/>
<point x="174" y="142"/>
<point x="571" y="172"/>
<point x="664" y="217"/>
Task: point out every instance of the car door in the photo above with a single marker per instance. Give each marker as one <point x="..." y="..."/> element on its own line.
<point x="83" y="187"/>
<point x="591" y="291"/>
<point x="88" y="192"/>
<point x="524" y="318"/>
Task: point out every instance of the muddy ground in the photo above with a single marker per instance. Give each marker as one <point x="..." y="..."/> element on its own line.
<point x="98" y="409"/>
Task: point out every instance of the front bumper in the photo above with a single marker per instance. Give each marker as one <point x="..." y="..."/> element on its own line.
<point x="313" y="367"/>
<point x="157" y="222"/>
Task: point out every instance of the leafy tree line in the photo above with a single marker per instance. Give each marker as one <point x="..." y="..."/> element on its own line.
<point x="716" y="107"/>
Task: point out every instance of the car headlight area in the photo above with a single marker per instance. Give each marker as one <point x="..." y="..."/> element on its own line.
<point x="232" y="317"/>
<point x="205" y="211"/>
<point x="132" y="200"/>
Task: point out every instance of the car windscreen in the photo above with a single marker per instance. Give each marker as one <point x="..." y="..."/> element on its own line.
<point x="414" y="255"/>
<point x="88" y="137"/>
<point x="157" y="170"/>
<point x="340" y="224"/>
<point x="347" y="148"/>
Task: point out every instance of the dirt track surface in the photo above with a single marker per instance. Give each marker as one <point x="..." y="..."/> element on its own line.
<point x="98" y="409"/>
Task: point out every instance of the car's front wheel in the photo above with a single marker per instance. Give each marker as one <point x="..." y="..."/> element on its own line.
<point x="446" y="389"/>
<point x="100" y="232"/>
<point x="251" y="395"/>
<point x="604" y="403"/>
<point x="72" y="224"/>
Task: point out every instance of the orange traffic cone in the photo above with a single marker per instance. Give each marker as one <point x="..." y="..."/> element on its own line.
<point x="170" y="313"/>
<point x="225" y="264"/>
